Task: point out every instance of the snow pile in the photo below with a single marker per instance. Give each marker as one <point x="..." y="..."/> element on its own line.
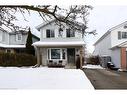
<point x="93" y="67"/>
<point x="43" y="78"/>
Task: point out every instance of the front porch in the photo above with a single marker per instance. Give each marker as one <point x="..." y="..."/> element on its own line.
<point x="59" y="56"/>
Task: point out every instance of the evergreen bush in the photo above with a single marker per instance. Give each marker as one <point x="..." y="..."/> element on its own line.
<point x="16" y="60"/>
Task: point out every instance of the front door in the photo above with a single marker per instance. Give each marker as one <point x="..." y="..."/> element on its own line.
<point x="71" y="55"/>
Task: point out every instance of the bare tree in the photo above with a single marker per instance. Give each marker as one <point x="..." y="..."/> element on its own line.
<point x="70" y="16"/>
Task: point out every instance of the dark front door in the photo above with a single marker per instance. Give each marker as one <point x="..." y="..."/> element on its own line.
<point x="71" y="55"/>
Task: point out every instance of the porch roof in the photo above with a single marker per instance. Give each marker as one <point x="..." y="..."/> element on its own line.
<point x="12" y="46"/>
<point x="60" y="43"/>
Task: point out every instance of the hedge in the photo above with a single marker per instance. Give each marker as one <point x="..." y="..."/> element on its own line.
<point x="94" y="60"/>
<point x="16" y="60"/>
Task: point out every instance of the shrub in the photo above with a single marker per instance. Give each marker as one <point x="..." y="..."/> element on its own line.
<point x="29" y="47"/>
<point x="94" y="60"/>
<point x="16" y="60"/>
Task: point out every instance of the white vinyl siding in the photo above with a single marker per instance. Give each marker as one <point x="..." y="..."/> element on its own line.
<point x="1" y="35"/>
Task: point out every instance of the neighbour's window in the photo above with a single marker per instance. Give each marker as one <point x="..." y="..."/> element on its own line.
<point x="124" y="34"/>
<point x="55" y="53"/>
<point x="125" y="27"/>
<point x="18" y="37"/>
<point x="8" y="51"/>
<point x="70" y="33"/>
<point x="50" y="33"/>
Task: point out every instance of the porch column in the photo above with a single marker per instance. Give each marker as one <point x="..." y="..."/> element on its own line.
<point x="38" y="56"/>
<point x="81" y="57"/>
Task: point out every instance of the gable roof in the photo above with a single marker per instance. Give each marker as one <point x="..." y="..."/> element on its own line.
<point x="109" y="31"/>
<point x="44" y="24"/>
<point x="79" y="24"/>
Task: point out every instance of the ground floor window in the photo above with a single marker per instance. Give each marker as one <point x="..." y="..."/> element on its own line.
<point x="56" y="53"/>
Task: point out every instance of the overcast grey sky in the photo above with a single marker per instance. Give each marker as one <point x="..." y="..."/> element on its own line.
<point x="102" y="18"/>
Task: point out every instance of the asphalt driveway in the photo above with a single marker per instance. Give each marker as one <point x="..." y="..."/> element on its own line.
<point x="107" y="79"/>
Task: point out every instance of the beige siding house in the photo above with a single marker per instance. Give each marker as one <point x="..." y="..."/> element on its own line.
<point x="58" y="46"/>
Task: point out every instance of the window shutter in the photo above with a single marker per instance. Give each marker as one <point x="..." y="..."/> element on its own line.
<point x="48" y="33"/>
<point x="119" y="34"/>
<point x="68" y="32"/>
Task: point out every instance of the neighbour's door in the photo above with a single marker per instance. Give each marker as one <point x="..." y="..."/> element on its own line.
<point x="71" y="55"/>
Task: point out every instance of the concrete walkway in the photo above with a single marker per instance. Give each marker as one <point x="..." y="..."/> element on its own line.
<point x="107" y="79"/>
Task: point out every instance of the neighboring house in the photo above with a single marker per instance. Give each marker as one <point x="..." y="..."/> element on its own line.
<point x="58" y="46"/>
<point x="114" y="44"/>
<point x="14" y="41"/>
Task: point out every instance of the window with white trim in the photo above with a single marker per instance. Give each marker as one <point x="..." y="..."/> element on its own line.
<point x="18" y="37"/>
<point x="60" y="32"/>
<point x="56" y="53"/>
<point x="50" y="33"/>
<point x="70" y="33"/>
<point x="122" y="35"/>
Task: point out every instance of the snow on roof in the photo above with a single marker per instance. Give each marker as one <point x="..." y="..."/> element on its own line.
<point x="12" y="46"/>
<point x="60" y="43"/>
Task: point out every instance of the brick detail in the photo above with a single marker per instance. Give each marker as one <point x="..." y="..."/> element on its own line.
<point x="123" y="59"/>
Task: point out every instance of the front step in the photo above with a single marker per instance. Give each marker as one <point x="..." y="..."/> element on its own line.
<point x="70" y="66"/>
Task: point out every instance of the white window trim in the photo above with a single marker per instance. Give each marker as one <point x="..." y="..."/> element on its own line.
<point x="50" y="33"/>
<point x="50" y="54"/>
<point x="17" y="35"/>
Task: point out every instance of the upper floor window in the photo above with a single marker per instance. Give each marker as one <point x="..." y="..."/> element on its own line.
<point x="70" y="33"/>
<point x="18" y="37"/>
<point x="50" y="33"/>
<point x="122" y="35"/>
<point x="60" y="32"/>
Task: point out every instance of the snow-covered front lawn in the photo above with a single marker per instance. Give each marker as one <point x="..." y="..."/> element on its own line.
<point x="43" y="78"/>
<point x="93" y="66"/>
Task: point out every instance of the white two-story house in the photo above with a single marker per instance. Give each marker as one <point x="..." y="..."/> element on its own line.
<point x="58" y="45"/>
<point x="12" y="42"/>
<point x="114" y="44"/>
